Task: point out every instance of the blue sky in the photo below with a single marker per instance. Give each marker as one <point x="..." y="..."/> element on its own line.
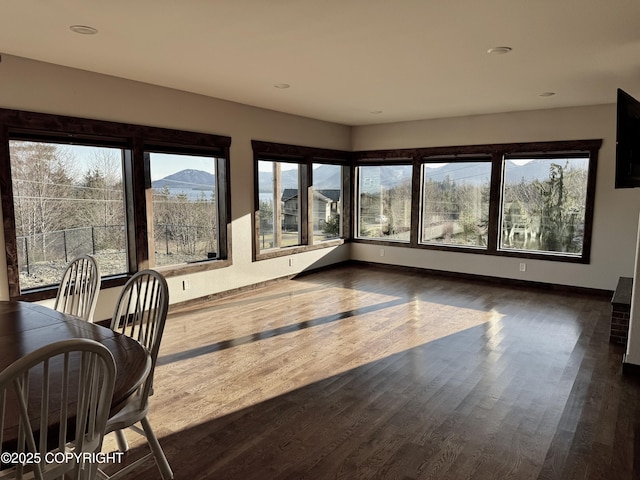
<point x="162" y="164"/>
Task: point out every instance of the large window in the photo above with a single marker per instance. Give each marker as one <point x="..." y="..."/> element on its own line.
<point x="544" y="204"/>
<point x="72" y="186"/>
<point x="529" y="200"/>
<point x="280" y="198"/>
<point x="455" y="203"/>
<point x="327" y="202"/>
<point x="68" y="201"/>
<point x="185" y="208"/>
<point x="299" y="198"/>
<point x="384" y="202"/>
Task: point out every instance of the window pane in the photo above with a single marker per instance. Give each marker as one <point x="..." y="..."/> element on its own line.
<point x="543" y="205"/>
<point x="455" y="203"/>
<point x="327" y="202"/>
<point x="290" y="198"/>
<point x="68" y="201"/>
<point x="267" y="198"/>
<point x="384" y="202"/>
<point x="185" y="208"/>
<point x="279" y="224"/>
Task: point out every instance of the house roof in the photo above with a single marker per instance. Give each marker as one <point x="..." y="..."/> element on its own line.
<point x="289" y="193"/>
<point x="329" y="195"/>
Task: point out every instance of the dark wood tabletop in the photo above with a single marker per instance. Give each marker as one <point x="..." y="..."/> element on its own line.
<point x="25" y="327"/>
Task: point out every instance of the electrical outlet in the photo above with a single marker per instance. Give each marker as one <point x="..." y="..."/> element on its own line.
<point x="186" y="284"/>
<point x="523" y="267"/>
<point x="291" y="262"/>
<point x="382" y="252"/>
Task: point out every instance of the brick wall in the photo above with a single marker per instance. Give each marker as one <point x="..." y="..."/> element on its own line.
<point x="620" y="311"/>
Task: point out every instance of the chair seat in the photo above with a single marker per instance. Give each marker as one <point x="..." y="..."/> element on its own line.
<point x="141" y="311"/>
<point x="130" y="414"/>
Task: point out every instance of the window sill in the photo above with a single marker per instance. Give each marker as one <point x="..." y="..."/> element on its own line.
<point x="50" y="291"/>
<point x="283" y="252"/>
<point x="188" y="268"/>
<point x="547" y="256"/>
<point x="383" y="240"/>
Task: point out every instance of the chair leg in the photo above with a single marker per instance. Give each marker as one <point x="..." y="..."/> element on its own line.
<point x="121" y="440"/>
<point x="158" y="454"/>
<point x="89" y="473"/>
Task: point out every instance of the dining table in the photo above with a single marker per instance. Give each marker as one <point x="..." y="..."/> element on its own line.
<point x="25" y="327"/>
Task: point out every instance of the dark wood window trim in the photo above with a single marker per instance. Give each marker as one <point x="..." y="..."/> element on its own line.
<point x="493" y="219"/>
<point x="305" y="157"/>
<point x="497" y="152"/>
<point x="377" y="161"/>
<point x="223" y="181"/>
<point x="16" y="124"/>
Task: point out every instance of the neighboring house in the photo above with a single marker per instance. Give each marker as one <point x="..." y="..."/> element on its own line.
<point x="326" y="202"/>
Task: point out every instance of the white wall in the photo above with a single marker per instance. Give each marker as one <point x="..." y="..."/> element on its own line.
<point x="41" y="87"/>
<point x="35" y="86"/>
<point x="616" y="211"/>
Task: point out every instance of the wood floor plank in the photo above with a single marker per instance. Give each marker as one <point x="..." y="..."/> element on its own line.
<point x="366" y="373"/>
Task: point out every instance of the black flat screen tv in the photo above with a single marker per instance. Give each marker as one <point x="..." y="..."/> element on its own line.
<point x="627" y="141"/>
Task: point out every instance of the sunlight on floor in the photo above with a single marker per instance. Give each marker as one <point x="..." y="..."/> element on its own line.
<point x="281" y="353"/>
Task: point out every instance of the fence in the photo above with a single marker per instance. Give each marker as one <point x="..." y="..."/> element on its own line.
<point x="64" y="245"/>
<point x="185" y="239"/>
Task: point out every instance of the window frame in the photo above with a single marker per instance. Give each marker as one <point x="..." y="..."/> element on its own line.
<point x="57" y="139"/>
<point x="497" y="153"/>
<point x="278" y="211"/>
<point x="399" y="161"/>
<point x="457" y="159"/>
<point x="222" y="198"/>
<point x="305" y="157"/>
<point x="341" y="211"/>
<point x="134" y="140"/>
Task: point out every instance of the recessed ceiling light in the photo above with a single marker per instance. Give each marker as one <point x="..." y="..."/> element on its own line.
<point x="83" y="29"/>
<point x="499" y="50"/>
<point x="282" y="86"/>
<point x="546" y="94"/>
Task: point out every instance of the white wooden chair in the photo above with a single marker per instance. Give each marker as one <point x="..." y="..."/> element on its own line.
<point x="140" y="313"/>
<point x="79" y="288"/>
<point x="60" y="396"/>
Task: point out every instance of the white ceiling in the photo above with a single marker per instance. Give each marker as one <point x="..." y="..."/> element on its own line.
<point x="410" y="59"/>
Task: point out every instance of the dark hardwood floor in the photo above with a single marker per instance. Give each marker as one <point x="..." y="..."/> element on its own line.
<point x="365" y="373"/>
